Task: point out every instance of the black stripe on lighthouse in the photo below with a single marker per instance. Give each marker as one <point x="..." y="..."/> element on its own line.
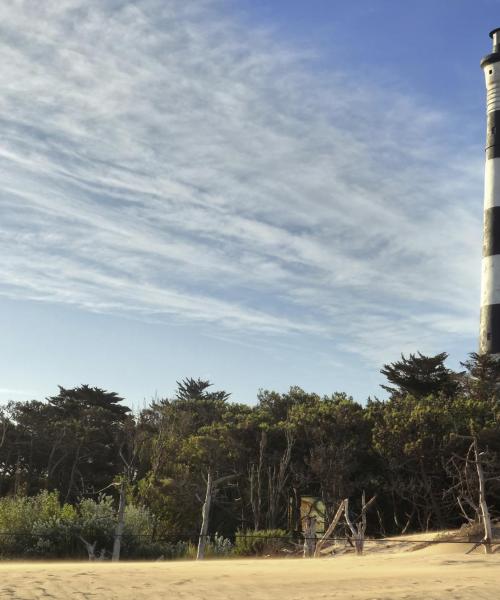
<point x="490" y="326"/>
<point x="491" y="233"/>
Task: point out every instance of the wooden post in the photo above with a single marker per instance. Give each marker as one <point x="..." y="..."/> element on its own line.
<point x="309" y="536"/>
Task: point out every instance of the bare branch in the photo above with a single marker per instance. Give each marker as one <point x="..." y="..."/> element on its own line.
<point x="330" y="529"/>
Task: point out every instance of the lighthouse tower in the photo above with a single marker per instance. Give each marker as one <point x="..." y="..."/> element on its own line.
<point x="489" y="335"/>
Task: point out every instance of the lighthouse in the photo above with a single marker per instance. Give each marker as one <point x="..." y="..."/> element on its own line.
<point x="489" y="330"/>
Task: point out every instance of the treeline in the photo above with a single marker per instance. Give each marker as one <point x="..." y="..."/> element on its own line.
<point x="85" y="444"/>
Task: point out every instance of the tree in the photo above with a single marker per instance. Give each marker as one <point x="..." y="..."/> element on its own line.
<point x="420" y="375"/>
<point x="128" y="451"/>
<point x="196" y="389"/>
<point x="482" y="378"/>
<point x="211" y="491"/>
<point x="411" y="436"/>
<point x="188" y="436"/>
<point x="9" y="455"/>
<point x="69" y="443"/>
<point x="333" y="454"/>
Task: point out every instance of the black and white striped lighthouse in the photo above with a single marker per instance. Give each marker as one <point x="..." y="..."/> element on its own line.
<point x="489" y="334"/>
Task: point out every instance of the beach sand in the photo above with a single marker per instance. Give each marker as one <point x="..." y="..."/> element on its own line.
<point x="429" y="574"/>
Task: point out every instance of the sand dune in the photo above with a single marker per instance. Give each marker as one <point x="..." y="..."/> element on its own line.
<point x="380" y="576"/>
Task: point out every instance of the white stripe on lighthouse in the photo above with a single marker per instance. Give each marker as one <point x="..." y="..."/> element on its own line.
<point x="492" y="183"/>
<point x="490" y="280"/>
<point x="492" y="74"/>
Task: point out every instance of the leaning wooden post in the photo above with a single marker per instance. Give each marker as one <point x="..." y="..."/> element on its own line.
<point x="330" y="529"/>
<point x="485" y="513"/>
<point x="200" y="554"/>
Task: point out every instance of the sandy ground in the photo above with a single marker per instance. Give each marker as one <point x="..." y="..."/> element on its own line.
<point x="428" y="574"/>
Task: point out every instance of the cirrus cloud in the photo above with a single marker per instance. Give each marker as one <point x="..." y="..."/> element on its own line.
<point x="161" y="159"/>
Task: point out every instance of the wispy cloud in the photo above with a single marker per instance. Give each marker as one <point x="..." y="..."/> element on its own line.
<point x="11" y="392"/>
<point x="159" y="158"/>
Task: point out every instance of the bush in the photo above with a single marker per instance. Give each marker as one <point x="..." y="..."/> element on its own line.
<point x="138" y="537"/>
<point x="261" y="543"/>
<point x="37" y="525"/>
<point x="96" y="522"/>
<point x="40" y="526"/>
<point x="218" y="546"/>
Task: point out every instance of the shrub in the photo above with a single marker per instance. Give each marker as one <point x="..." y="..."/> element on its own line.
<point x="37" y="525"/>
<point x="261" y="543"/>
<point x="96" y="522"/>
<point x="40" y="526"/>
<point x="218" y="546"/>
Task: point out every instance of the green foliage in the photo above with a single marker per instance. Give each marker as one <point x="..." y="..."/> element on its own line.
<point x="41" y="526"/>
<point x="262" y="543"/>
<point x="287" y="446"/>
<point x="420" y="375"/>
<point x="217" y="547"/>
<point x="36" y="525"/>
<point x="483" y="380"/>
<point x="96" y="521"/>
<point x="69" y="443"/>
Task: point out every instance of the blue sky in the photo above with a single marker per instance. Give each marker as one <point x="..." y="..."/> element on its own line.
<point x="264" y="194"/>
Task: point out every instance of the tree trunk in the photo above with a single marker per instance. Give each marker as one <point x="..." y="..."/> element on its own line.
<point x="89" y="547"/>
<point x="434" y="506"/>
<point x="3" y="472"/>
<point x="485" y="513"/>
<point x="120" y="524"/>
<point x="358" y="531"/>
<point x="17" y="478"/>
<point x="72" y="473"/>
<point x="272" y="496"/>
<point x="277" y="478"/>
<point x="258" y="499"/>
<point x="205" y="519"/>
<point x="295" y="515"/>
<point x="212" y="486"/>
<point x="51" y="465"/>
<point x="255" y="493"/>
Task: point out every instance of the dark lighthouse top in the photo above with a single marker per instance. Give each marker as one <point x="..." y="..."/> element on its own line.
<point x="494" y="57"/>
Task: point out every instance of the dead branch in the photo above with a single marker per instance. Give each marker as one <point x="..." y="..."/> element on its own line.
<point x="89" y="547"/>
<point x="330" y="529"/>
<point x="358" y="531"/>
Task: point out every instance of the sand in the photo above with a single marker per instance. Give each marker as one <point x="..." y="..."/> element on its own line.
<point x="380" y="576"/>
